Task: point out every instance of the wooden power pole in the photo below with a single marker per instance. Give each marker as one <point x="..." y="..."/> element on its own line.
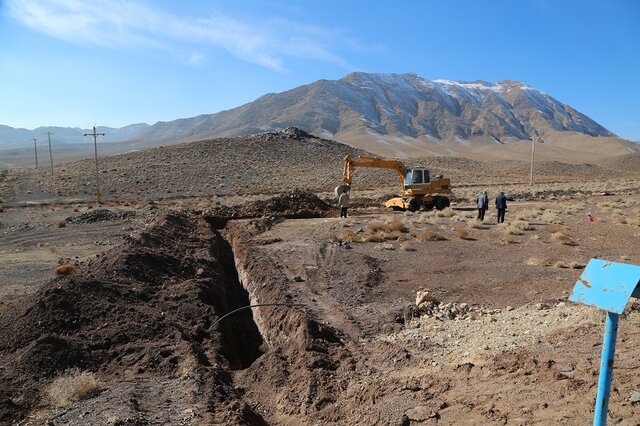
<point x="35" y="148"/>
<point x="50" y="154"/>
<point x="95" y="146"/>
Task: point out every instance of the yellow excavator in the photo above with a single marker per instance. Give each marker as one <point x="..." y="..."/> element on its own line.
<point x="418" y="189"/>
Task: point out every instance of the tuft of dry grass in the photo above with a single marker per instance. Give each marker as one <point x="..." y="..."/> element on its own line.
<point x="395" y="225"/>
<point x="475" y="223"/>
<point x="71" y="386"/>
<point x="538" y="261"/>
<point x="407" y="246"/>
<point x="550" y="217"/>
<point x="508" y="239"/>
<point x="563" y="239"/>
<point x="445" y="213"/>
<point x="463" y="234"/>
<point x="61" y="223"/>
<point x="429" y="235"/>
<point x="66" y="269"/>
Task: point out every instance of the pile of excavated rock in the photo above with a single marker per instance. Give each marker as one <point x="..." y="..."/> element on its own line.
<point x="427" y="305"/>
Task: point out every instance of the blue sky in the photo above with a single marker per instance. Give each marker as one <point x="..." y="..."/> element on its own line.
<point x="114" y="62"/>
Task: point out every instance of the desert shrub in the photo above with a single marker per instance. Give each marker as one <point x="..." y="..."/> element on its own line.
<point x="445" y="213"/>
<point x="507" y="239"/>
<point x="563" y="239"/>
<point x="538" y="261"/>
<point x="550" y="217"/>
<point x="66" y="269"/>
<point x="475" y="223"/>
<point x="618" y="218"/>
<point x="577" y="265"/>
<point x="429" y="235"/>
<point x="560" y="264"/>
<point x="373" y="238"/>
<point x="521" y="225"/>
<point x="407" y="246"/>
<point x="463" y="234"/>
<point x="61" y="223"/>
<point x="71" y="386"/>
<point x="385" y="246"/>
<point x="527" y="214"/>
<point x="386" y="226"/>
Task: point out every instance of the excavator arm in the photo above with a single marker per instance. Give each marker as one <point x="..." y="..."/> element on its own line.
<point x="380" y="163"/>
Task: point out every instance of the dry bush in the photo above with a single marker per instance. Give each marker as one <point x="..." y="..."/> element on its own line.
<point x="618" y="218"/>
<point x="521" y="225"/>
<point x="71" y="386"/>
<point x="429" y="235"/>
<point x="550" y="217"/>
<point x="66" y="269"/>
<point x="463" y="234"/>
<point x="445" y="213"/>
<point x="385" y="246"/>
<point x="508" y="239"/>
<point x="407" y="246"/>
<point x="538" y="261"/>
<point x="475" y="223"/>
<point x="373" y="238"/>
<point x="563" y="239"/>
<point x="395" y="225"/>
<point x="561" y="264"/>
<point x="527" y="214"/>
<point x="61" y="223"/>
<point x="577" y="265"/>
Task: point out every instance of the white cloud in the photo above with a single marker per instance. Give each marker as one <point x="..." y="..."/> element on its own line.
<point x="127" y="24"/>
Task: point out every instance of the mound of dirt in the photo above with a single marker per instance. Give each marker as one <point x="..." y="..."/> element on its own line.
<point x="296" y="204"/>
<point x="101" y="215"/>
<point x="142" y="308"/>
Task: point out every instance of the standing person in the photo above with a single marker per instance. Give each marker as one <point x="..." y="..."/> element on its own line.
<point x="482" y="200"/>
<point x="343" y="203"/>
<point x="501" y="205"/>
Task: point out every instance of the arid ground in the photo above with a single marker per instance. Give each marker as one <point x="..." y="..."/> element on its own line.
<point x="122" y="302"/>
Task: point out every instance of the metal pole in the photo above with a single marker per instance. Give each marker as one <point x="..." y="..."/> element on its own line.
<point x="35" y="148"/>
<point x="533" y="151"/>
<point x="606" y="369"/>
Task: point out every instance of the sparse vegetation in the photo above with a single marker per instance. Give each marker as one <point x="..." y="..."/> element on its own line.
<point x="463" y="234"/>
<point x="429" y="235"/>
<point x="71" y="386"/>
<point x="65" y="269"/>
<point x="563" y="239"/>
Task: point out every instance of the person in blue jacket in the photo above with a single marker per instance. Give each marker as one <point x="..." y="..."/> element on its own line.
<point x="501" y="205"/>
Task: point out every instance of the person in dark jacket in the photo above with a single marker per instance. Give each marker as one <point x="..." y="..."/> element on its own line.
<point x="482" y="201"/>
<point x="501" y="205"/>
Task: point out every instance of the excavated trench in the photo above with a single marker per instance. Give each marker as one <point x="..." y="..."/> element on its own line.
<point x="241" y="339"/>
<point x="145" y="308"/>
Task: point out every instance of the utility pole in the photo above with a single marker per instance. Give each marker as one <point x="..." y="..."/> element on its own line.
<point x="95" y="146"/>
<point x="50" y="154"/>
<point x="35" y="148"/>
<point x="533" y="151"/>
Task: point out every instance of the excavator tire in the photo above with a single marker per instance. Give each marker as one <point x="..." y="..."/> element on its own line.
<point x="441" y="202"/>
<point x="414" y="204"/>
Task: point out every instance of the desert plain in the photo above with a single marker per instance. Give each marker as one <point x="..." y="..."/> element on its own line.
<point x="112" y="312"/>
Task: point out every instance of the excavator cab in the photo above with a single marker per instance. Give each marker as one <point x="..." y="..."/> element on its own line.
<point x="416" y="176"/>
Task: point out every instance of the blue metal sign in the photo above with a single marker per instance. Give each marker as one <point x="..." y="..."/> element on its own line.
<point x="607" y="285"/>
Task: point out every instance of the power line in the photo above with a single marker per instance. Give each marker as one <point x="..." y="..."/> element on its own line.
<point x="95" y="146"/>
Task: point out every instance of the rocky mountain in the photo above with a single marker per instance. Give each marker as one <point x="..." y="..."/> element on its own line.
<point x="396" y="114"/>
<point x="12" y="137"/>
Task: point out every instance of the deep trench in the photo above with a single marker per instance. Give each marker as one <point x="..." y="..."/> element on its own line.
<point x="241" y="339"/>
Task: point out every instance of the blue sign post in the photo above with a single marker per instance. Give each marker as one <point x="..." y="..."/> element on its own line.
<point x="609" y="286"/>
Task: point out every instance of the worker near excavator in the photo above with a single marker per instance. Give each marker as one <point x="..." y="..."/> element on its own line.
<point x="343" y="203"/>
<point x="501" y="205"/>
<point x="482" y="201"/>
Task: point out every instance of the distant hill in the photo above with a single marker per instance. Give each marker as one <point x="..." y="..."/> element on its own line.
<point x="11" y="137"/>
<point x="405" y="115"/>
